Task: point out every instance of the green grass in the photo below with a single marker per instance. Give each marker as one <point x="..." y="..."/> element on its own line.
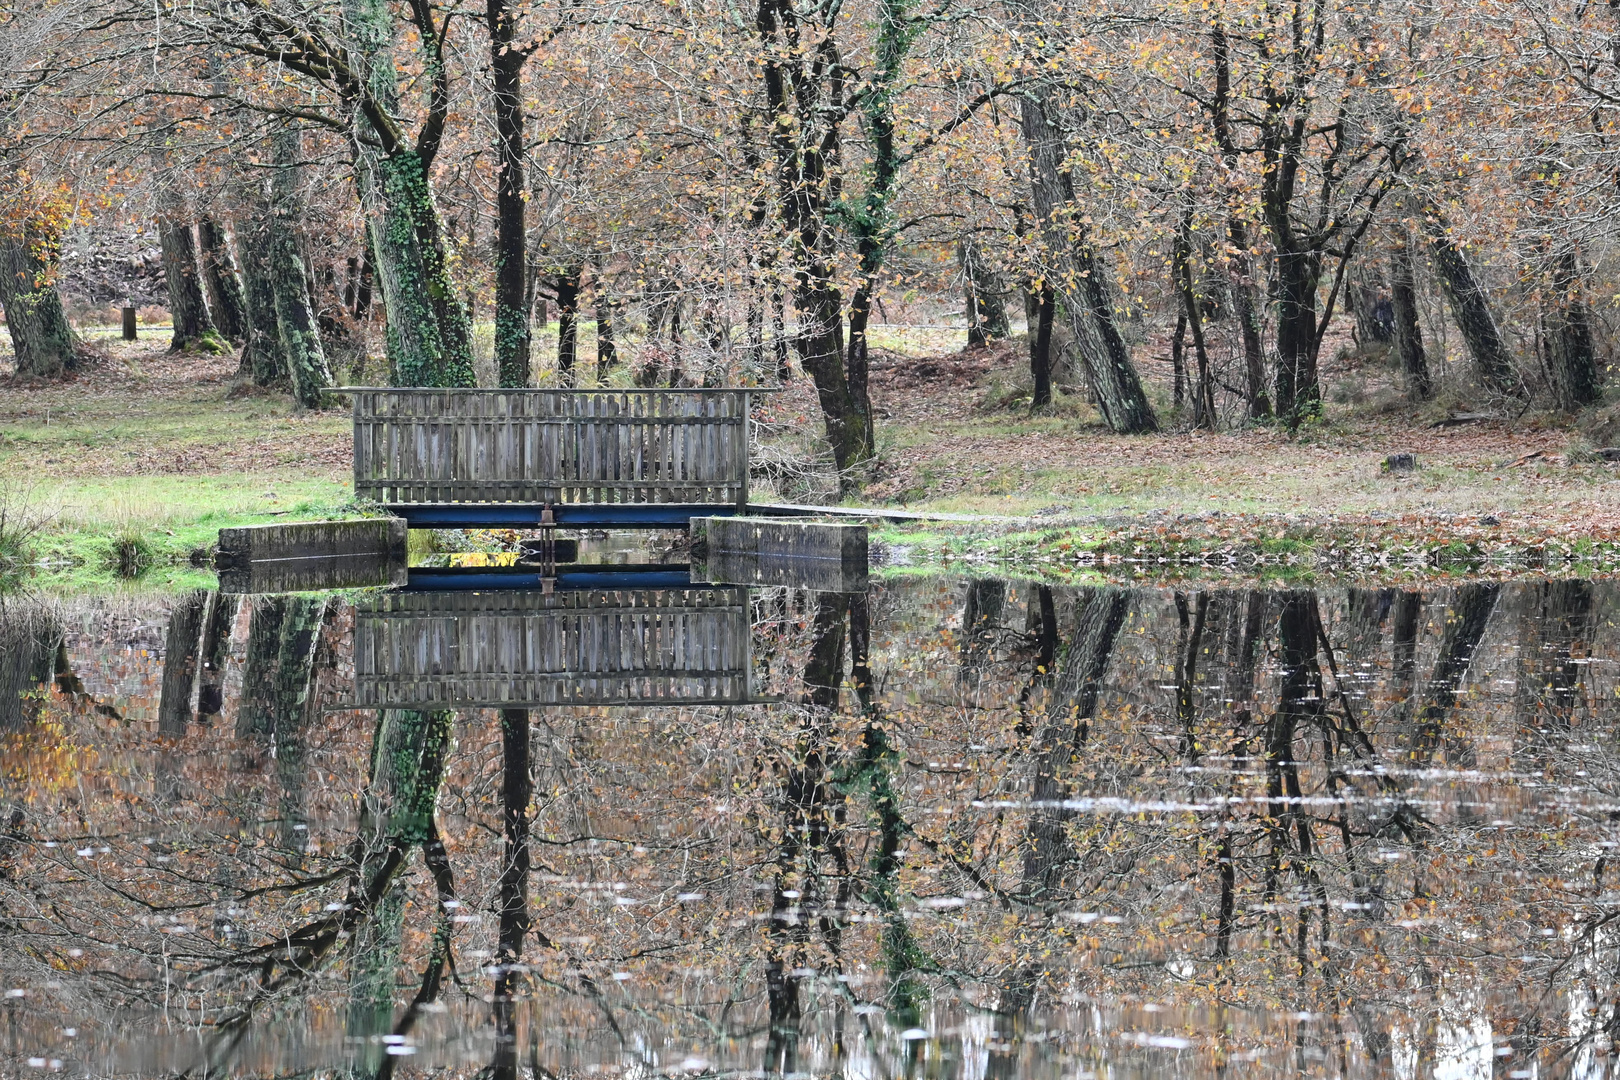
<point x="174" y="520"/>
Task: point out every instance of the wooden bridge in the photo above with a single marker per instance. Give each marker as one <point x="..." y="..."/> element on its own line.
<point x="458" y="650"/>
<point x="573" y="458"/>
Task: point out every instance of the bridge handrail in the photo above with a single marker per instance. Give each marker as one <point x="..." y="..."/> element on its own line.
<point x="422" y="445"/>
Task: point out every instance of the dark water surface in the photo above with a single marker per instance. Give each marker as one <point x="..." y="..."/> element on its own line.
<point x="945" y="828"/>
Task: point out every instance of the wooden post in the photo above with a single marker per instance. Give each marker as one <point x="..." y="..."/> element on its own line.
<point x="129" y="322"/>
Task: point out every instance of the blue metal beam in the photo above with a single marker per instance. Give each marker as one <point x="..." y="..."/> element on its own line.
<point x="567" y="515"/>
<point x="605" y="576"/>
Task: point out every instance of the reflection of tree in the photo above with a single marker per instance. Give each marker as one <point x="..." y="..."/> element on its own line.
<point x="513" y="902"/>
<point x="1554" y="628"/>
<point x="215" y="649"/>
<point x="254" y="710"/>
<point x="180" y="662"/>
<point x="810" y="886"/>
<point x="1469" y="611"/>
<point x="30" y="642"/>
<point x="1223" y="776"/>
<point x="1063" y="737"/>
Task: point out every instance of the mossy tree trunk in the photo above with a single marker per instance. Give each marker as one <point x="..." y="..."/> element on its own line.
<point x="224" y="283"/>
<point x="182" y="271"/>
<point x="193" y="326"/>
<point x="295" y="319"/>
<point x="409" y="751"/>
<point x="429" y="332"/>
<point x="262" y="357"/>
<point x="41" y="339"/>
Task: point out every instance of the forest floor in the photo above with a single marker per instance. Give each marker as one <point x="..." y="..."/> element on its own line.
<point x="956" y="434"/>
<point x="163" y="450"/>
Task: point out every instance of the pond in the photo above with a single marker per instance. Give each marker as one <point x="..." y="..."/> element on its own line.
<point x="944" y="827"/>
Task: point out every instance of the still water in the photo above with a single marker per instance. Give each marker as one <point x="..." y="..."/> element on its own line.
<point x="943" y="828"/>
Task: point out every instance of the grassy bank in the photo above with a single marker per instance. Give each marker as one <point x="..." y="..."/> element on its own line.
<point x="141" y="460"/>
<point x="154" y="453"/>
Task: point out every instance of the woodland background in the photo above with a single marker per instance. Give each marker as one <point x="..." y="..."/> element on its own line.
<point x="1195" y="208"/>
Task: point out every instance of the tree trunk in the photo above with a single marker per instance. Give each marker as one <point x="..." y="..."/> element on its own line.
<point x="820" y="345"/>
<point x="262" y="356"/>
<point x="1178" y="359"/>
<point x="1466" y="620"/>
<point x="607" y="353"/>
<point x="362" y="288"/>
<point x="986" y="306"/>
<point x="409" y="752"/>
<point x="1408" y="330"/>
<point x="1040" y="344"/>
<point x="429" y="331"/>
<point x="1470" y="309"/>
<point x="300" y="340"/>
<point x="1191" y="306"/>
<point x="1577" y="375"/>
<point x="1114" y="381"/>
<point x="193" y="327"/>
<point x="567" y="285"/>
<point x="180" y="647"/>
<point x="1299" y="395"/>
<point x="1247" y="307"/>
<point x="512" y="338"/>
<point x="224" y="284"/>
<point x="779" y="337"/>
<point x="41" y="339"/>
<point x="1064" y="735"/>
<point x="1555" y="628"/>
<point x="30" y="642"/>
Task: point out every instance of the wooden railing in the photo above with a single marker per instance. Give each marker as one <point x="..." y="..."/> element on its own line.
<point x="551" y="446"/>
<point x="495" y="649"/>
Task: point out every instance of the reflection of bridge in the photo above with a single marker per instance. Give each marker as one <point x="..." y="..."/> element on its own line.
<point x="453" y="650"/>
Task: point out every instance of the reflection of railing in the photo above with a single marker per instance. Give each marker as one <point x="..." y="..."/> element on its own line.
<point x="551" y="447"/>
<point x="494" y="649"/>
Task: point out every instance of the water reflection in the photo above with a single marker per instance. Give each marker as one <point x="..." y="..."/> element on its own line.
<point x="984" y="829"/>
